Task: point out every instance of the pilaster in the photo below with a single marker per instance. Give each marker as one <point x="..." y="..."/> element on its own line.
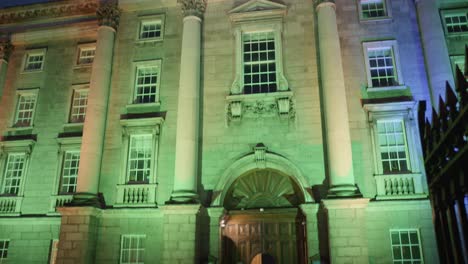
<point x="215" y="214"/>
<point x="312" y="226"/>
<point x="6" y="48"/>
<point x="188" y="108"/>
<point x="336" y="120"/>
<point x="96" y="112"/>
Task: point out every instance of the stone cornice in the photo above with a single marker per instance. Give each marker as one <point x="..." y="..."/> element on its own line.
<point x="193" y="7"/>
<point x="6" y="48"/>
<point x="109" y="15"/>
<point x="40" y="11"/>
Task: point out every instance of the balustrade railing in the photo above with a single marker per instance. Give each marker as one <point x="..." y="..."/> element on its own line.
<point x="10" y="205"/>
<point x="137" y="195"/>
<point x="399" y="186"/>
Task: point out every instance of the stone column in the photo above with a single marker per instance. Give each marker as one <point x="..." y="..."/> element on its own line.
<point x="96" y="112"/>
<point x="335" y="108"/>
<point x="438" y="66"/>
<point x="6" y="48"/>
<point x="188" y="116"/>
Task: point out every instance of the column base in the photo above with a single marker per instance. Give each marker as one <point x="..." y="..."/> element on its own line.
<point x="87" y="199"/>
<point x="343" y="190"/>
<point x="184" y="197"/>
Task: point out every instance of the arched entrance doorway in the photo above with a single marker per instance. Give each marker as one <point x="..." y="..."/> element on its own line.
<point x="263" y="220"/>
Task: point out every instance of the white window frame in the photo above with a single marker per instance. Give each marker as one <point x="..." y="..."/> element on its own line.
<point x="33" y="52"/>
<point x="402" y="111"/>
<point x="65" y="144"/>
<point x="138" y="237"/>
<point x="81" y="47"/>
<point x="408" y="230"/>
<point x="384" y="44"/>
<point x="15" y="147"/>
<point x="4" y="249"/>
<point x="80" y="88"/>
<point x="62" y="174"/>
<point x="143" y="126"/>
<point x="453" y="12"/>
<point x="135" y="67"/>
<point x="148" y="20"/>
<point x="25" y="92"/>
<point x="387" y="8"/>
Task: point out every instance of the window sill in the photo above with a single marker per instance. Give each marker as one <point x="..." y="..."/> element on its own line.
<point x="142" y="108"/>
<point x="377" y="20"/>
<point x="386" y="88"/>
<point x="460" y="35"/>
<point x="31" y="71"/>
<point x="82" y="66"/>
<point x="149" y="40"/>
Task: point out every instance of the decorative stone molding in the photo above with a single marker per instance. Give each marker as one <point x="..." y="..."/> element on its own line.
<point x="6" y="48"/>
<point x="193" y="7"/>
<point x="242" y="106"/>
<point x="109" y="15"/>
<point x="69" y="8"/>
<point x="260" y="155"/>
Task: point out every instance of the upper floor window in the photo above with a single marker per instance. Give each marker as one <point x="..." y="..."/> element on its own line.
<point x="371" y="9"/>
<point x="382" y="63"/>
<point x="4" y="244"/>
<point x="139" y="158"/>
<point x="132" y="249"/>
<point x="25" y="108"/>
<point x="392" y="146"/>
<point x="406" y="246"/>
<point x="259" y="62"/>
<point x="151" y="28"/>
<point x="86" y="54"/>
<point x="456" y="22"/>
<point x="14" y="173"/>
<point x="34" y="60"/>
<point x="78" y="106"/>
<point x="69" y="175"/>
<point x="147" y="79"/>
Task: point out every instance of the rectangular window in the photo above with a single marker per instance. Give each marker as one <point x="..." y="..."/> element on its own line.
<point x="259" y="62"/>
<point x="71" y="163"/>
<point x="78" y="107"/>
<point x="382" y="67"/>
<point x="146" y="84"/>
<point x="373" y="9"/>
<point x="150" y="29"/>
<point x="132" y="249"/>
<point x="25" y="110"/>
<point x="14" y="171"/>
<point x="456" y="22"/>
<point x="86" y="55"/>
<point x="4" y="244"/>
<point x="34" y="60"/>
<point x="406" y="246"/>
<point x="139" y="158"/>
<point x="392" y="145"/>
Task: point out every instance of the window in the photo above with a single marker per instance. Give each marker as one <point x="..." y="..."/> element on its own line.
<point x="71" y="163"/>
<point x="372" y="9"/>
<point x="151" y="28"/>
<point x="147" y="79"/>
<point x="392" y="145"/>
<point x="456" y="22"/>
<point x="86" y="54"/>
<point x="4" y="244"/>
<point x="34" y="60"/>
<point x="132" y="249"/>
<point x="382" y="64"/>
<point x="259" y="62"/>
<point x="78" y="105"/>
<point x="139" y="158"/>
<point x="13" y="175"/>
<point x="25" y="108"/>
<point x="406" y="246"/>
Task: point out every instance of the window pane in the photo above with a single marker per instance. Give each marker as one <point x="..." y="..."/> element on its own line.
<point x="146" y="84"/>
<point x="71" y="163"/>
<point x="139" y="159"/>
<point x="392" y="145"/>
<point x="25" y="110"/>
<point x="381" y="67"/>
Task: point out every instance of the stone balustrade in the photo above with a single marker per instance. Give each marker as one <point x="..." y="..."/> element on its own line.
<point x="59" y="201"/>
<point x="10" y="205"/>
<point x="136" y="195"/>
<point x="399" y="186"/>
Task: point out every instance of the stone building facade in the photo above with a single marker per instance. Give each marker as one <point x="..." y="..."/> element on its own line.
<point x="219" y="131"/>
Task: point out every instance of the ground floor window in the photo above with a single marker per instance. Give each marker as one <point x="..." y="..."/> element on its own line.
<point x="132" y="249"/>
<point x="406" y="246"/>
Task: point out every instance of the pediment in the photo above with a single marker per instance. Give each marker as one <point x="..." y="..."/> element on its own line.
<point x="258" y="9"/>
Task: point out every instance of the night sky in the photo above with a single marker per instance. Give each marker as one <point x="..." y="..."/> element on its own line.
<point x="8" y="3"/>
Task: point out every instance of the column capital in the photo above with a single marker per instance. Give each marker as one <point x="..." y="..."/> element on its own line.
<point x="6" y="48"/>
<point x="321" y="3"/>
<point x="108" y="15"/>
<point x="193" y="7"/>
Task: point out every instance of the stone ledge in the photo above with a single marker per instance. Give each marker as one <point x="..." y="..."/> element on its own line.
<point x="335" y="204"/>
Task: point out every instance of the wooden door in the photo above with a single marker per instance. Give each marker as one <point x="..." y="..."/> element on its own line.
<point x="279" y="233"/>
